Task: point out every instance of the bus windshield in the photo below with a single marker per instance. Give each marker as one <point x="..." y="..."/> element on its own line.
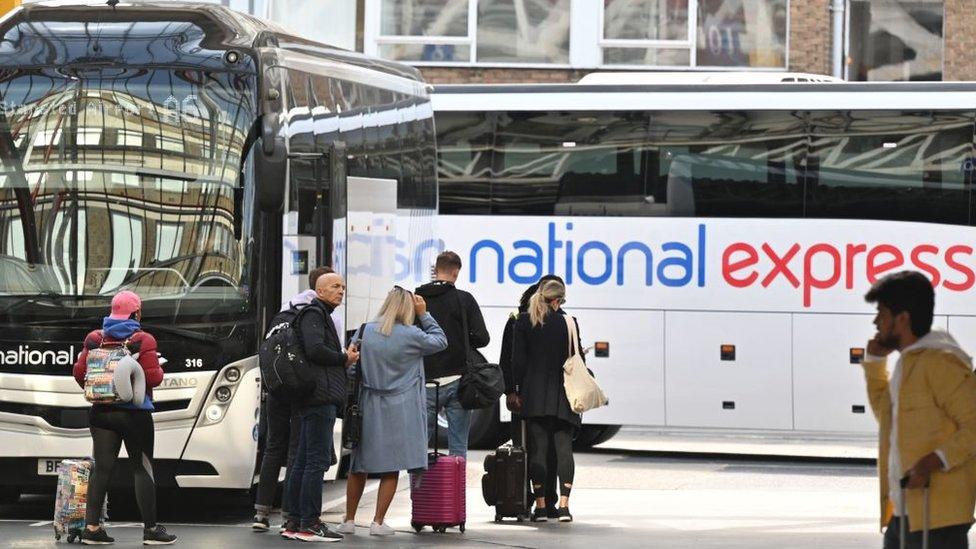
<point x="123" y="178"/>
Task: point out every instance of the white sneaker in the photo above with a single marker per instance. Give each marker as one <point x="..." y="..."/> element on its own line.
<point x="347" y="528"/>
<point x="380" y="530"/>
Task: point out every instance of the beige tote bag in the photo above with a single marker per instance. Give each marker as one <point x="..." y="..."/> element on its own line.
<point x="582" y="390"/>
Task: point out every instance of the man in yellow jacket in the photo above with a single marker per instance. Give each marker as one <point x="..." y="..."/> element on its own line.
<point x="926" y="414"/>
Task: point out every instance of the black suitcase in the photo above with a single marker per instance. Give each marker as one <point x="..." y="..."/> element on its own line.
<point x="505" y="484"/>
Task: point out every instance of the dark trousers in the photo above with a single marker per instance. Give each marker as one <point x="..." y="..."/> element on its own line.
<point x="280" y="444"/>
<point x="549" y="486"/>
<point x="312" y="460"/>
<point x="545" y="433"/>
<point x="110" y="428"/>
<point x="948" y="537"/>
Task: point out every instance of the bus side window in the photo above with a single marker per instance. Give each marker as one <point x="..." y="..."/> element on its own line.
<point x="890" y="165"/>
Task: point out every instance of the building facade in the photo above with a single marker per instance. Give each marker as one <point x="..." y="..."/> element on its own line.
<point x="498" y="41"/>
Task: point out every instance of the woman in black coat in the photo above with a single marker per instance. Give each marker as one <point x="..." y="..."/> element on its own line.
<point x="514" y="403"/>
<point x="540" y="347"/>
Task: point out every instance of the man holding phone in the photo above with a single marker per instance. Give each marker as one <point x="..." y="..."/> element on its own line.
<point x="927" y="416"/>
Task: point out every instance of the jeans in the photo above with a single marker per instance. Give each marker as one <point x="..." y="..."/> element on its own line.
<point x="458" y="419"/>
<point x="280" y="445"/>
<point x="312" y="459"/>
<point x="948" y="537"/>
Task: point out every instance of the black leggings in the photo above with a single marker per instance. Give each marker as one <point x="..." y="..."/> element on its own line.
<point x="110" y="427"/>
<point x="546" y="432"/>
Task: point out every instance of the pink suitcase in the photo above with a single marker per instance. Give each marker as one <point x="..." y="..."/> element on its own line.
<point x="437" y="495"/>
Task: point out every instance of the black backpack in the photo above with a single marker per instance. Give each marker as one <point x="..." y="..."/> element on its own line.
<point x="284" y="371"/>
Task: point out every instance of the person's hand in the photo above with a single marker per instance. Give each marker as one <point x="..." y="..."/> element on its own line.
<point x="918" y="476"/>
<point x="513" y="402"/>
<point x="352" y="355"/>
<point x="875" y="347"/>
<point x="419" y="305"/>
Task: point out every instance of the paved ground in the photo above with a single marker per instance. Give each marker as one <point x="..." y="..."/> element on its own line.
<point x="623" y="498"/>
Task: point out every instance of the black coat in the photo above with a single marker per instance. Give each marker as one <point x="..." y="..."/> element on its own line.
<point x="324" y="354"/>
<point x="444" y="303"/>
<point x="538" y="355"/>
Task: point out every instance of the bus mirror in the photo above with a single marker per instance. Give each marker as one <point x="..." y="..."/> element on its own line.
<point x="269" y="174"/>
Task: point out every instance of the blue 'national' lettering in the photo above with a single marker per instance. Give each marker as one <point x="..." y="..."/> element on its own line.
<point x="593" y="262"/>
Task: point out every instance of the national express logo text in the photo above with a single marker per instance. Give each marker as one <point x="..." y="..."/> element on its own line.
<point x="23" y="355"/>
<point x="808" y="267"/>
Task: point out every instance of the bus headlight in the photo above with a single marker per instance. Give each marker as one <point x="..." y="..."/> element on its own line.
<point x="232" y="375"/>
<point x="223" y="394"/>
<point x="214" y="413"/>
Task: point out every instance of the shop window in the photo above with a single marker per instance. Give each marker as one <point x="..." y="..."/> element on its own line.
<point x="895" y="40"/>
<point x="742" y="33"/>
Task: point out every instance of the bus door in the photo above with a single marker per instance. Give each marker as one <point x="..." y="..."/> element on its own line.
<point x="309" y="220"/>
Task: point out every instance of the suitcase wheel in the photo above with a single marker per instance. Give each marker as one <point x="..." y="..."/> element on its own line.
<point x="498" y="518"/>
<point x="461" y="527"/>
<point x="72" y="538"/>
<point x="57" y="536"/>
<point x="441" y="529"/>
<point x="417" y="527"/>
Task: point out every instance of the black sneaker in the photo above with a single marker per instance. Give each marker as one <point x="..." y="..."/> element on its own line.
<point x="539" y="515"/>
<point x="564" y="515"/>
<point x="261" y="524"/>
<point x="318" y="533"/>
<point x="157" y="536"/>
<point x="552" y="512"/>
<point x="98" y="537"/>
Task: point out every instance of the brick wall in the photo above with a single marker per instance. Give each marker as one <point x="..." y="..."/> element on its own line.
<point x="465" y="75"/>
<point x="810" y="36"/>
<point x="959" y="49"/>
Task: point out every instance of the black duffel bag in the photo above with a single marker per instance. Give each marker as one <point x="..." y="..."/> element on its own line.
<point x="481" y="385"/>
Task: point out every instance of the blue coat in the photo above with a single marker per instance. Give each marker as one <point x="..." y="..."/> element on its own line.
<point x="393" y="397"/>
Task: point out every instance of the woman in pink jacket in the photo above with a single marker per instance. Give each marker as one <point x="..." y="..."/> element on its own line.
<point x="130" y="423"/>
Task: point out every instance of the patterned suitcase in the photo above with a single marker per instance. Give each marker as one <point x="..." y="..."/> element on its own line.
<point x="437" y="495"/>
<point x="71" y="498"/>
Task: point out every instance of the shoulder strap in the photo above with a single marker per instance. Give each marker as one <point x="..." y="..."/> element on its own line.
<point x="573" y="337"/>
<point x="464" y="325"/>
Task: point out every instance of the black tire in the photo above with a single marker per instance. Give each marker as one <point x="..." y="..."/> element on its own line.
<point x="417" y="527"/>
<point x="486" y="432"/>
<point x="9" y="495"/>
<point x="591" y="435"/>
<point x="461" y="527"/>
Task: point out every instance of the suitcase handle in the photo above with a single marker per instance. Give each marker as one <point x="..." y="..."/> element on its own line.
<point x="437" y="403"/>
<point x="902" y="521"/>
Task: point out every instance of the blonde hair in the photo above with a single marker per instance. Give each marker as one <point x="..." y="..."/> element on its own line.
<point x="539" y="307"/>
<point x="398" y="308"/>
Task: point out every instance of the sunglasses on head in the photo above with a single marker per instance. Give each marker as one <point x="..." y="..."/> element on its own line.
<point x="402" y="289"/>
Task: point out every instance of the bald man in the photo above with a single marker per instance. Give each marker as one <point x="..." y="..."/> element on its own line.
<point x="317" y="412"/>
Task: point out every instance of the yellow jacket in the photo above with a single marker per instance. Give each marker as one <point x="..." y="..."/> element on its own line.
<point x="936" y="411"/>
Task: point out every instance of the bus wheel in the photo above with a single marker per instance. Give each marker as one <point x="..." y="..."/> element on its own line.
<point x="486" y="431"/>
<point x="9" y="494"/>
<point x="591" y="435"/>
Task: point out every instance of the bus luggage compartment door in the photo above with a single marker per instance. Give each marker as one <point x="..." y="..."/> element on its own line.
<point x="828" y="381"/>
<point x="632" y="376"/>
<point x="728" y="370"/>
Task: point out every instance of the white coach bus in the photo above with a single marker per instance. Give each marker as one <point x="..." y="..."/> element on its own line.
<point x="207" y="161"/>
<point x="717" y="235"/>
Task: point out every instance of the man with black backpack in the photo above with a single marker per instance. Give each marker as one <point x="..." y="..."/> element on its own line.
<point x="322" y="368"/>
<point x="453" y="310"/>
<point x="280" y="440"/>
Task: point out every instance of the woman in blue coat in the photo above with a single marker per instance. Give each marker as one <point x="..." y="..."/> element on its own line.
<point x="393" y="402"/>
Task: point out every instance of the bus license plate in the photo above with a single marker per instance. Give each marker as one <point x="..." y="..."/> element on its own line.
<point x="47" y="466"/>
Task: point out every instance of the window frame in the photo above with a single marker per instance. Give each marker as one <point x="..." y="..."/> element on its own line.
<point x="586" y="44"/>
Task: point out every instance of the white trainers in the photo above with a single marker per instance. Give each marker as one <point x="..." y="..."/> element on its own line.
<point x="347" y="528"/>
<point x="381" y="530"/>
